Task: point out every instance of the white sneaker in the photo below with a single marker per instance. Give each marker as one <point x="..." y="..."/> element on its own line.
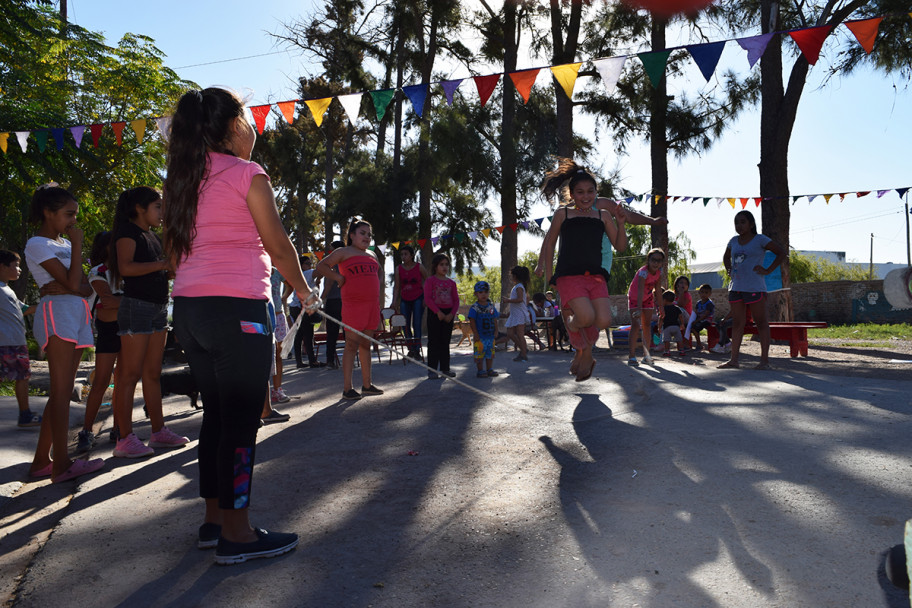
<point x="718" y="349"/>
<point x="277" y="395"/>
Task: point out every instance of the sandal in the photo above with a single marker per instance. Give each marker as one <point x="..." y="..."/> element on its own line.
<point x="42" y="472"/>
<point x="583" y="376"/>
<point x="78" y="468"/>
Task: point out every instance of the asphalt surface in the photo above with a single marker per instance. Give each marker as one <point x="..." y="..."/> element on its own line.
<point x="672" y="485"/>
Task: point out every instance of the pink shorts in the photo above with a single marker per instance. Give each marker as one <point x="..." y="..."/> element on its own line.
<point x="363" y="316"/>
<point x="589" y="286"/>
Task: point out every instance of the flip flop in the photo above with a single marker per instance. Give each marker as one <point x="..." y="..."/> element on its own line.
<point x="581" y="377"/>
<point x="79" y="467"/>
<point x="44" y="471"/>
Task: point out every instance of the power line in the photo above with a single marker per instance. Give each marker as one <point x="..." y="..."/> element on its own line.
<point x="196" y="65"/>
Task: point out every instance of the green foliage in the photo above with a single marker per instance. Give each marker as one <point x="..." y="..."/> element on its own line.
<point x="465" y="283"/>
<point x="814" y="269"/>
<point x="56" y="75"/>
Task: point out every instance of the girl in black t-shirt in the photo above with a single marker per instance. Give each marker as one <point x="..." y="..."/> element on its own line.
<point x="137" y="258"/>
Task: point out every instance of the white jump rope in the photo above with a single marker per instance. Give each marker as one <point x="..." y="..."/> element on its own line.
<point x="315" y="307"/>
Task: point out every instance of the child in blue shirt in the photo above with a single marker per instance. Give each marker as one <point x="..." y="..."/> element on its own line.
<point x="704" y="310"/>
<point x="483" y="318"/>
<point x="14" y="359"/>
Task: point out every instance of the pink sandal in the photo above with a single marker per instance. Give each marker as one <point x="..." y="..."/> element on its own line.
<point x="79" y="467"/>
<point x="44" y="471"/>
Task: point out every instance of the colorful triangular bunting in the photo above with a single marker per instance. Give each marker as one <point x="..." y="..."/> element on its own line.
<point x="810" y="41"/>
<point x="416" y="93"/>
<point x="865" y="31"/>
<point x="485" y="86"/>
<point x="566" y="76"/>
<point x="259" y="116"/>
<point x="287" y="109"/>
<point x="449" y="89"/>
<point x="610" y="70"/>
<point x="318" y="108"/>
<point x="707" y="57"/>
<point x="381" y="101"/>
<point x="523" y="82"/>
<point x="654" y="63"/>
<point x="755" y="46"/>
<point x="352" y="105"/>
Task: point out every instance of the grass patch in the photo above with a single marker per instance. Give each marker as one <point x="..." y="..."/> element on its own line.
<point x="871" y="332"/>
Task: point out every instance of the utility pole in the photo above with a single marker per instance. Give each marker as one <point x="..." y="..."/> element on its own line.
<point x="63" y="10"/>
<point x="871" y="267"/>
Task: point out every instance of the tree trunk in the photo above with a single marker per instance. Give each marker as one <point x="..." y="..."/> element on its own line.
<point x="658" y="148"/>
<point x="424" y="180"/>
<point x="509" y="242"/>
<point x="778" y="109"/>
<point x="564" y="51"/>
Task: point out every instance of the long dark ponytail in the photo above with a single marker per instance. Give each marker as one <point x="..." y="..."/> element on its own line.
<point x="562" y="180"/>
<point x="201" y="122"/>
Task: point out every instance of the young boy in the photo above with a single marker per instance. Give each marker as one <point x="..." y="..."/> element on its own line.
<point x="672" y="322"/>
<point x="704" y="309"/>
<point x="14" y="359"/>
<point x="483" y="318"/>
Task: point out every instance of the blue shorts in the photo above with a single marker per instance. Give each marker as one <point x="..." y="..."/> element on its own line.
<point x="141" y="317"/>
<point x="747" y="297"/>
<point x="66" y="316"/>
<point x="484" y="349"/>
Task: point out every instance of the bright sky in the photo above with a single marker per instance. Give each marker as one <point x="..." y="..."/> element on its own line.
<point x="850" y="136"/>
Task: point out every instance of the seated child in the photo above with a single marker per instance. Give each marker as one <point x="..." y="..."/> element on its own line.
<point x="672" y="322"/>
<point x="483" y="318"/>
<point x="704" y="310"/>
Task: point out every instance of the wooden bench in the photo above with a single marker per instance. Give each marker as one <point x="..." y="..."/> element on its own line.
<point x="793" y="332"/>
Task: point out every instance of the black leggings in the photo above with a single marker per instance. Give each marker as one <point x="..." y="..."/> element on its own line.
<point x="439" y="334"/>
<point x="228" y="342"/>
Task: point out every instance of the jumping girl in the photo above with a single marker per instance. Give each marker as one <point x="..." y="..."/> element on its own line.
<point x="579" y="276"/>
<point x="743" y="261"/>
<point x="62" y="325"/>
<point x="137" y="259"/>
<point x="104" y="304"/>
<point x="222" y="228"/>
<point x="360" y="285"/>
<point x="408" y="297"/>
<point x="519" y="310"/>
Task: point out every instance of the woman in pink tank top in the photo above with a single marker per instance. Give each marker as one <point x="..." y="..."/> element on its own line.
<point x="408" y="297"/>
<point x="359" y="282"/>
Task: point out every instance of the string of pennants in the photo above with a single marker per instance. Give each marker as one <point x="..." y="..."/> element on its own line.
<point x="706" y="55"/>
<point x="460" y="237"/>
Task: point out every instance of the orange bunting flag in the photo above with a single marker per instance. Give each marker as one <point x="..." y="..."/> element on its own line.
<point x="287" y="109"/>
<point x="118" y="131"/>
<point x="485" y="86"/>
<point x="259" y="116"/>
<point x="744" y="203"/>
<point x="810" y="41"/>
<point x="320" y="254"/>
<point x="523" y="82"/>
<point x="566" y="75"/>
<point x="865" y="31"/>
<point x="731" y="202"/>
<point x="499" y="229"/>
<point x="139" y="127"/>
<point x="318" y="108"/>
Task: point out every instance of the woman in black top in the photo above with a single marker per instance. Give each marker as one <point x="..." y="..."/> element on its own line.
<point x="579" y="276"/>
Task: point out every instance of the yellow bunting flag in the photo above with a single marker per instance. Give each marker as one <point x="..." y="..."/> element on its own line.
<point x="486" y="232"/>
<point x="3" y="140"/>
<point x="826" y="197"/>
<point x="395" y="245"/>
<point x="318" y="108"/>
<point x="287" y="109"/>
<point x="566" y="75"/>
<point x="139" y="127"/>
<point x="731" y="201"/>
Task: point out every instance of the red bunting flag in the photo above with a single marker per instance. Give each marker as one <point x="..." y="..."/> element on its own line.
<point x="96" y="134"/>
<point x="118" y="131"/>
<point x="860" y="194"/>
<point x="810" y="41"/>
<point x="523" y="82"/>
<point x="485" y="85"/>
<point x="514" y="226"/>
<point x="758" y="200"/>
<point x="319" y="254"/>
<point x="259" y="116"/>
<point x="865" y="31"/>
<point x="744" y="203"/>
<point x="421" y="242"/>
<point x="499" y="229"/>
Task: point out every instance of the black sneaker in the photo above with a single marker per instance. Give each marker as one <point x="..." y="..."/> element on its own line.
<point x="351" y="394"/>
<point x="371" y="390"/>
<point x="209" y="536"/>
<point x="268" y="544"/>
<point x="27" y="419"/>
<point x="448" y="373"/>
<point x="85" y="441"/>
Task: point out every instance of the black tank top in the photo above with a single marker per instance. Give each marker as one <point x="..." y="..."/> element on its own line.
<point x="580" y="246"/>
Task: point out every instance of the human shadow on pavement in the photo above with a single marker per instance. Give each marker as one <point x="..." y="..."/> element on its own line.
<point x="624" y="472"/>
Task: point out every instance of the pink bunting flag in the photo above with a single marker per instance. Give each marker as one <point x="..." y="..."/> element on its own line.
<point x="865" y="31"/>
<point x="259" y="116"/>
<point x="485" y="86"/>
<point x="810" y="41"/>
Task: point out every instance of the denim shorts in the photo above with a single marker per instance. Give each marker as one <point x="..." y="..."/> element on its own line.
<point x="141" y="317"/>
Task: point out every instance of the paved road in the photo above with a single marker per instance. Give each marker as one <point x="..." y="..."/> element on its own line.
<point x="673" y="485"/>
